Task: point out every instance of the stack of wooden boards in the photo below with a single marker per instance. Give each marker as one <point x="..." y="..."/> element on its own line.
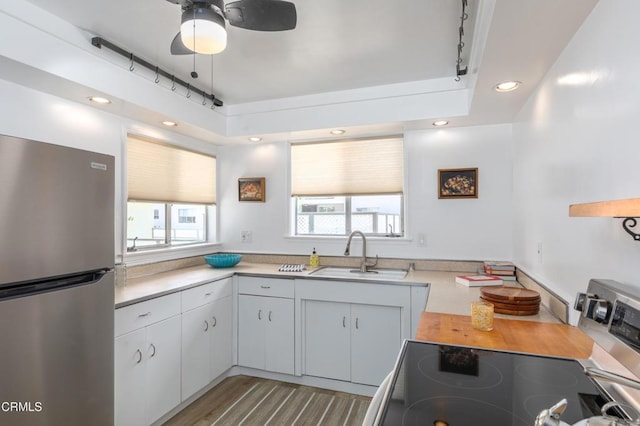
<point x="512" y="300"/>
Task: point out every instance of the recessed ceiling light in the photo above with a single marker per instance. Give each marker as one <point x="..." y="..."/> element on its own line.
<point x="507" y="86"/>
<point x="255" y="139"/>
<point x="100" y="100"/>
<point x="439" y="123"/>
<point x="170" y="123"/>
<point x="338" y="132"/>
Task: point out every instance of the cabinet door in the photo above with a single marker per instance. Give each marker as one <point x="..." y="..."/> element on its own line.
<point x="195" y="350"/>
<point x="129" y="378"/>
<point x="279" y="350"/>
<point x="162" y="380"/>
<point x="221" y="339"/>
<point x="251" y="332"/>
<point x="326" y="339"/>
<point x="375" y="342"/>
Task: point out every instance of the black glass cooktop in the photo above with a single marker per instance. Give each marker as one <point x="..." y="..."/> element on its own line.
<point x="464" y="386"/>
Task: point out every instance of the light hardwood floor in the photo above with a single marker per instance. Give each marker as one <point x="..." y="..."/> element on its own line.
<point x="251" y="401"/>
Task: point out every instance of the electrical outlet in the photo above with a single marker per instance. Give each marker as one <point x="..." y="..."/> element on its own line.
<point x="245" y="236"/>
<point x="539" y="251"/>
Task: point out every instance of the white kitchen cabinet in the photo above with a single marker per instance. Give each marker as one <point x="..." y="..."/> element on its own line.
<point x="351" y="342"/>
<point x="206" y="344"/>
<point x="206" y="335"/>
<point x="375" y="342"/>
<point x="327" y="339"/>
<point x="265" y="333"/>
<point x="147" y="372"/>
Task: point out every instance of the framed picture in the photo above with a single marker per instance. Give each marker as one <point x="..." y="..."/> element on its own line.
<point x="251" y="189"/>
<point x="458" y="183"/>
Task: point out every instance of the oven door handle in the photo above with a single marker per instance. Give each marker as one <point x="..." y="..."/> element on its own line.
<point x="612" y="377"/>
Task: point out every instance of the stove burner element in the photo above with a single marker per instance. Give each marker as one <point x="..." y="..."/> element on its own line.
<point x="539" y="371"/>
<point x="459" y="411"/>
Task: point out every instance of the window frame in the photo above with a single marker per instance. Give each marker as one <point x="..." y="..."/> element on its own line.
<point x="168" y="250"/>
<point x="400" y="234"/>
<point x="348" y="214"/>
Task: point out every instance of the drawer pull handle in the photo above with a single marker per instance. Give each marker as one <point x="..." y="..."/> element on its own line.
<point x="265" y="286"/>
<point x="139" y="352"/>
<point x="269" y="316"/>
<point x="344" y="322"/>
<point x="146" y="314"/>
<point x="215" y="322"/>
<point x="357" y="323"/>
<point x="154" y="350"/>
<point x="260" y="314"/>
<point x="207" y="294"/>
<point x="206" y="326"/>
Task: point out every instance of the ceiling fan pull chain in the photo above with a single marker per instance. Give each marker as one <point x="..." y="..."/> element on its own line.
<point x="131" y="67"/>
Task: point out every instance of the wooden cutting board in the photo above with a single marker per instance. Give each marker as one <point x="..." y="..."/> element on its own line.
<point x="508" y="335"/>
<point x="509" y="293"/>
<point x="524" y="303"/>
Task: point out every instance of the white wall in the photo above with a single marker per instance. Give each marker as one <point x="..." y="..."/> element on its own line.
<point x="578" y="143"/>
<point x="469" y="229"/>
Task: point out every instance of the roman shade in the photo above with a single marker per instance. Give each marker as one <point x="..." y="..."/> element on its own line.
<point x="350" y="167"/>
<point x="166" y="173"/>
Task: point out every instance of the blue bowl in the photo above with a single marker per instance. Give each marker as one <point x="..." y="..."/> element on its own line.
<point x="222" y="260"/>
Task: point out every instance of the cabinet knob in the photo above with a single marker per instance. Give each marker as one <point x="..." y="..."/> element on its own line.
<point x="206" y="326"/>
<point x="357" y="324"/>
<point x="139" y="353"/>
<point x="344" y="322"/>
<point x="260" y="314"/>
<point x="215" y="321"/>
<point x="269" y="315"/>
<point x="152" y="346"/>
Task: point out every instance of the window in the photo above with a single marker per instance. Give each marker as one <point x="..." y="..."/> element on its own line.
<point x="342" y="186"/>
<point x="171" y="195"/>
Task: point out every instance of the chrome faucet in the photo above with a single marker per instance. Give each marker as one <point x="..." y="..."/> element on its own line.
<point x="363" y="262"/>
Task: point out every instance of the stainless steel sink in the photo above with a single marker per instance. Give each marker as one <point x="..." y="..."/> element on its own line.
<point x="372" y="274"/>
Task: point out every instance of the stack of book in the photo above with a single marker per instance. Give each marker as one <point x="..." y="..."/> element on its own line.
<point x="504" y="270"/>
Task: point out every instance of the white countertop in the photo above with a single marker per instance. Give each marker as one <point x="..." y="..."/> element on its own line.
<point x="151" y="286"/>
<point x="445" y="295"/>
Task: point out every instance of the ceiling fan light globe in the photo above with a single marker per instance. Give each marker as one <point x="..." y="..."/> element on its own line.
<point x="208" y="36"/>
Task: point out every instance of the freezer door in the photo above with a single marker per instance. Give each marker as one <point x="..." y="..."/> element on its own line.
<point x="56" y="214"/>
<point x="56" y="361"/>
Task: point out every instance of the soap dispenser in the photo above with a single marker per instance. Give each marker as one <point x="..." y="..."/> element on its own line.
<point x="314" y="260"/>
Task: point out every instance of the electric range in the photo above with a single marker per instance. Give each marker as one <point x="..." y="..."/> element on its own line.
<point x="435" y="384"/>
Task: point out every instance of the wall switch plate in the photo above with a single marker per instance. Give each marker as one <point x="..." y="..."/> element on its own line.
<point x="245" y="236"/>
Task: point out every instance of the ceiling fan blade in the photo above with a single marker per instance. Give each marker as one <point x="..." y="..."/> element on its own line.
<point x="262" y="15"/>
<point x="178" y="48"/>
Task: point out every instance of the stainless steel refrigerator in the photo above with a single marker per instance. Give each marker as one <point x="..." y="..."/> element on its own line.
<point x="56" y="285"/>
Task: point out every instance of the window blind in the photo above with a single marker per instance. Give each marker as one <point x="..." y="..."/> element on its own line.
<point x="165" y="173"/>
<point x="354" y="167"/>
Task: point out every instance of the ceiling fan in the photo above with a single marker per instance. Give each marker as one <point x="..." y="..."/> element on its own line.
<point x="202" y="28"/>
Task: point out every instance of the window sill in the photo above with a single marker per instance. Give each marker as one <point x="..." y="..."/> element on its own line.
<point x="150" y="256"/>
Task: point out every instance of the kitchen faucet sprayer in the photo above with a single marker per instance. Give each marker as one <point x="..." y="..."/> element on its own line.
<point x="363" y="261"/>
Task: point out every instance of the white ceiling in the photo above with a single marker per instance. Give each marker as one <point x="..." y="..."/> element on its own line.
<point x="345" y="45"/>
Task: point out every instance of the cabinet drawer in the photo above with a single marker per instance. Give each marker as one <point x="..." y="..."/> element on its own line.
<point x="273" y="287"/>
<point x="207" y="293"/>
<point x="144" y="313"/>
